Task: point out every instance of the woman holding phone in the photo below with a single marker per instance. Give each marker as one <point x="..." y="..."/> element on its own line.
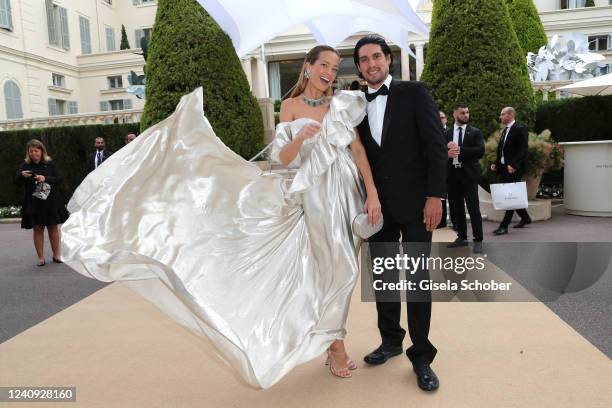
<point x="42" y="204"/>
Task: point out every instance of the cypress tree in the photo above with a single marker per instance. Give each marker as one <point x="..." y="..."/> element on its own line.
<point x="527" y="25"/>
<point x="188" y="49"/>
<point x="125" y="44"/>
<point x="474" y="57"/>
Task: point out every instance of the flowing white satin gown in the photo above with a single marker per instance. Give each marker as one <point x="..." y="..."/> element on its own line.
<point x="263" y="268"/>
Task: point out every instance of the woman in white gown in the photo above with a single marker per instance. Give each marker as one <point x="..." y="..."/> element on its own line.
<point x="265" y="270"/>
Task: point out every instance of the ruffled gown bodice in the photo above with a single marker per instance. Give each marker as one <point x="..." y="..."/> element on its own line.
<point x="263" y="269"/>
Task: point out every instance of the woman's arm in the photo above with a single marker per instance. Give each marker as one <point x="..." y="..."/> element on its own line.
<point x="372" y="204"/>
<point x="291" y="150"/>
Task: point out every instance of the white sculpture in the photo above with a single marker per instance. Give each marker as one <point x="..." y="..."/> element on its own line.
<point x="554" y="61"/>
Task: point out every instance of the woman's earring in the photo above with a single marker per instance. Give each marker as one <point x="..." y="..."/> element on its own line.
<point x="307" y="74"/>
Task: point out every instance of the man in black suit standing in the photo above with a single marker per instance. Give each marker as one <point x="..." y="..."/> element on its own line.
<point x="511" y="162"/>
<point x="465" y="148"/>
<point x="407" y="152"/>
<point x="97" y="158"/>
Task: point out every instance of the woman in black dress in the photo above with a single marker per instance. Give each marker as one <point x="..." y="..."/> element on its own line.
<point x="42" y="205"/>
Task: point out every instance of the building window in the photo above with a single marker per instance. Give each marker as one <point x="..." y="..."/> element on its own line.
<point x="115" y="105"/>
<point x="57" y="25"/>
<point x="73" y="107"/>
<point x="115" y="82"/>
<point x="144" y="32"/>
<point x="606" y="69"/>
<point x="110" y="39"/>
<point x="85" y="35"/>
<point x="59" y="80"/>
<point x="574" y="4"/>
<point x="599" y="42"/>
<point x="12" y="99"/>
<point x="138" y="2"/>
<point x="109" y="2"/>
<point x="6" y="20"/>
<point x="57" y="107"/>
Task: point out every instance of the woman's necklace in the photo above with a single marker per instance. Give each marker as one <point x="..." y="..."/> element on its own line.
<point x="313" y="102"/>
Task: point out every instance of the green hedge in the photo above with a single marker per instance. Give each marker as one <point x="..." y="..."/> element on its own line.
<point x="188" y="49"/>
<point x="474" y="57"/>
<point x="527" y="25"/>
<point x="68" y="146"/>
<point x="576" y="119"/>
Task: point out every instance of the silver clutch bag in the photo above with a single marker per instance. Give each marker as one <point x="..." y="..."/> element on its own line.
<point x="363" y="228"/>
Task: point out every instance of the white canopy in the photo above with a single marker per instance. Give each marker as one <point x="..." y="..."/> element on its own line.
<point x="601" y="85"/>
<point x="251" y="23"/>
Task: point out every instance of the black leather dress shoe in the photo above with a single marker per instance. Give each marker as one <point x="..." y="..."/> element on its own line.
<point x="459" y="242"/>
<point x="522" y="223"/>
<point x="426" y="378"/>
<point x="500" y="231"/>
<point x="382" y="354"/>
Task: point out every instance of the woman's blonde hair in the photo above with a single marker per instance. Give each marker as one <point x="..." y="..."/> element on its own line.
<point x="37" y="144"/>
<point x="311" y="57"/>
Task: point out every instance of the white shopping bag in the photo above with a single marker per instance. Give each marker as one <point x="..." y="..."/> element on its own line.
<point x="509" y="196"/>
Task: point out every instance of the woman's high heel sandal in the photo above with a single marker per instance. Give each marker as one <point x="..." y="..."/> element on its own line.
<point x="350" y="363"/>
<point x="335" y="370"/>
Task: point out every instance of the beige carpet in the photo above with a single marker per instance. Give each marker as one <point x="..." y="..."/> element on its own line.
<point x="120" y="351"/>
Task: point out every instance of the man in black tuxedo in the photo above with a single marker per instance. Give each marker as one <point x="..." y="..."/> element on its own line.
<point x="511" y="162"/>
<point x="465" y="148"/>
<point x="407" y="153"/>
<point x="97" y="158"/>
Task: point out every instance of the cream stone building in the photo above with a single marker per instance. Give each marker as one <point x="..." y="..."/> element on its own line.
<point x="60" y="61"/>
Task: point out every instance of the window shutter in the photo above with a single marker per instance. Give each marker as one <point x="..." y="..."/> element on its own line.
<point x="110" y="39"/>
<point x="51" y="27"/>
<point x="12" y="98"/>
<point x="64" y="26"/>
<point x="52" y="107"/>
<point x="103" y="106"/>
<point x="127" y="104"/>
<point x="139" y="35"/>
<point x="85" y="35"/>
<point x="5" y="15"/>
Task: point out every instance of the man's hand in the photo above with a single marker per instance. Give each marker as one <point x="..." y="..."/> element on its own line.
<point x="432" y="213"/>
<point x="493" y="167"/>
<point x="453" y="150"/>
<point x="511" y="169"/>
<point x="372" y="207"/>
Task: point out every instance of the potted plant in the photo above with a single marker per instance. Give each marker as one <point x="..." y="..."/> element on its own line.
<point x="544" y="155"/>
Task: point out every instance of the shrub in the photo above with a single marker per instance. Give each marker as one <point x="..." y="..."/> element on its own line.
<point x="474" y="57"/>
<point x="576" y="119"/>
<point x="188" y="50"/>
<point x="544" y="154"/>
<point x="527" y="25"/>
<point x="125" y="44"/>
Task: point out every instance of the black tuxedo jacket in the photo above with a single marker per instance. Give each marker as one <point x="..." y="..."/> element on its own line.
<point x="410" y="164"/>
<point x="515" y="149"/>
<point x="471" y="151"/>
<point x="91" y="160"/>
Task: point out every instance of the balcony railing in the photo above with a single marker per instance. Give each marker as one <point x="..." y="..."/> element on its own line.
<point x="93" y="118"/>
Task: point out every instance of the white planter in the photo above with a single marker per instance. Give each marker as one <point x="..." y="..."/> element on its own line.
<point x="588" y="178"/>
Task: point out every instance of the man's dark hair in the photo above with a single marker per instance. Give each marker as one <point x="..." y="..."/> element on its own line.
<point x="372" y="39"/>
<point x="460" y="105"/>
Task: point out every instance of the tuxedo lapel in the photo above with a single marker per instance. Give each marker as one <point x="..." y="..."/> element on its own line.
<point x="391" y="102"/>
<point x="364" y="129"/>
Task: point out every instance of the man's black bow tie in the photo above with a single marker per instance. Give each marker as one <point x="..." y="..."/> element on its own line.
<point x="383" y="90"/>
